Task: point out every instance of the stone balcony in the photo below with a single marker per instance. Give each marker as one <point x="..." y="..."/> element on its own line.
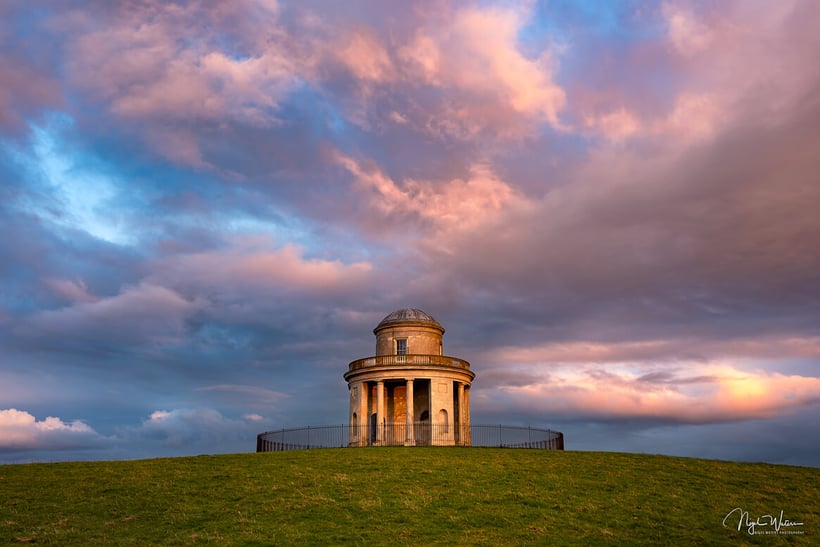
<point x="410" y="360"/>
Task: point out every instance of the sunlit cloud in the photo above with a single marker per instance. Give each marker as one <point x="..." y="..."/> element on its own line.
<point x="208" y="206"/>
<point x="685" y="393"/>
<point x="684" y="349"/>
<point x="616" y="126"/>
<point x="687" y="34"/>
<point x="20" y="430"/>
<point x="447" y="205"/>
<point x="367" y="59"/>
<point x="475" y="52"/>
<point x="251" y="263"/>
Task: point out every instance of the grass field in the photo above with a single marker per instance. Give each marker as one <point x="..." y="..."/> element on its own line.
<point x="415" y="496"/>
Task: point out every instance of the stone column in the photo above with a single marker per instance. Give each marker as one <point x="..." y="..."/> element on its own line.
<point x="461" y="416"/>
<point x="364" y="414"/>
<point x="379" y="411"/>
<point x="467" y="415"/>
<point x="410" y="439"/>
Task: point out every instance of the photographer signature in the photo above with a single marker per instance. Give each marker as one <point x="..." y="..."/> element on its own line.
<point x="763" y="521"/>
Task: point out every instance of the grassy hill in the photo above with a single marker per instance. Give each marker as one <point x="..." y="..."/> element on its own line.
<point x="479" y="496"/>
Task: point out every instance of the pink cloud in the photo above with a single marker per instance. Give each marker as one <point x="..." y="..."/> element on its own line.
<point x="178" y="145"/>
<point x="157" y="64"/>
<point x="250" y="266"/>
<point x="752" y="59"/>
<point x="687" y="34"/>
<point x="20" y="430"/>
<point x="162" y="63"/>
<point x="692" y="119"/>
<point x="144" y="70"/>
<point x="24" y="91"/>
<point x="450" y="73"/>
<point x="365" y="57"/>
<point x="489" y="40"/>
<point x="684" y="381"/>
<point x="473" y="52"/>
<point x="730" y="63"/>
<point x="706" y="394"/>
<point x="616" y="125"/>
<point x="457" y="204"/>
<point x="768" y="347"/>
<point x="73" y="291"/>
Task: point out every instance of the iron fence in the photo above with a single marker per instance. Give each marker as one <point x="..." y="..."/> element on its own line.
<point x="402" y="434"/>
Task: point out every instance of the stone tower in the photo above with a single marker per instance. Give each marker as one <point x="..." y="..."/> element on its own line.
<point x="409" y="393"/>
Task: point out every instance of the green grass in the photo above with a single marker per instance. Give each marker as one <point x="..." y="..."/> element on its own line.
<point x="414" y="496"/>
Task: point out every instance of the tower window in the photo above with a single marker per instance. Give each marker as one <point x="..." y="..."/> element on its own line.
<point x="401" y="346"/>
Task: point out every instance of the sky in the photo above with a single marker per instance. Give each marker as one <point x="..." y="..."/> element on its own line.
<point x="206" y="207"/>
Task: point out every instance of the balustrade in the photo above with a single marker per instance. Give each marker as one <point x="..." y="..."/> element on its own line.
<point x="409" y="359"/>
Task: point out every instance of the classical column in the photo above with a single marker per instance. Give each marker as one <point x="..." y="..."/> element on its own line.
<point x="379" y="411"/>
<point x="467" y="415"/>
<point x="461" y="416"/>
<point x="410" y="439"/>
<point x="364" y="413"/>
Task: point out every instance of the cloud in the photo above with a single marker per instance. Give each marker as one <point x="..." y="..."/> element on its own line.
<point x="169" y="68"/>
<point x="73" y="291"/>
<point x="181" y="431"/>
<point x="710" y="393"/>
<point x="20" y="431"/>
<point x="579" y="351"/>
<point x="142" y="314"/>
<point x="249" y="266"/>
<point x="145" y="70"/>
<point x="616" y="126"/>
<point x="611" y="211"/>
<point x="30" y="85"/>
<point x="687" y="34"/>
<point x="443" y="205"/>
<point x="452" y="74"/>
<point x="752" y="60"/>
<point x="690" y="236"/>
<point x="191" y="429"/>
<point x="249" y="396"/>
<point x="475" y="51"/>
<point x="25" y="91"/>
<point x="366" y="58"/>
<point x="721" y="65"/>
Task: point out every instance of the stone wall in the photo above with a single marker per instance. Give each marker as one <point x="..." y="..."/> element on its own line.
<point x="421" y="340"/>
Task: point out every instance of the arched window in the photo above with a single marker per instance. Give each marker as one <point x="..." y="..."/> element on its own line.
<point x="443" y="421"/>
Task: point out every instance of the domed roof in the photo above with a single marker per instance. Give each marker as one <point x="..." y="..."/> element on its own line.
<point x="409" y="315"/>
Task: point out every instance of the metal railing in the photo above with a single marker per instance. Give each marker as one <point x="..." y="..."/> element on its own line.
<point x="399" y="434"/>
<point x="409" y="359"/>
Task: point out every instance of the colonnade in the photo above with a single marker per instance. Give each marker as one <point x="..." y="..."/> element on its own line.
<point x="436" y="410"/>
